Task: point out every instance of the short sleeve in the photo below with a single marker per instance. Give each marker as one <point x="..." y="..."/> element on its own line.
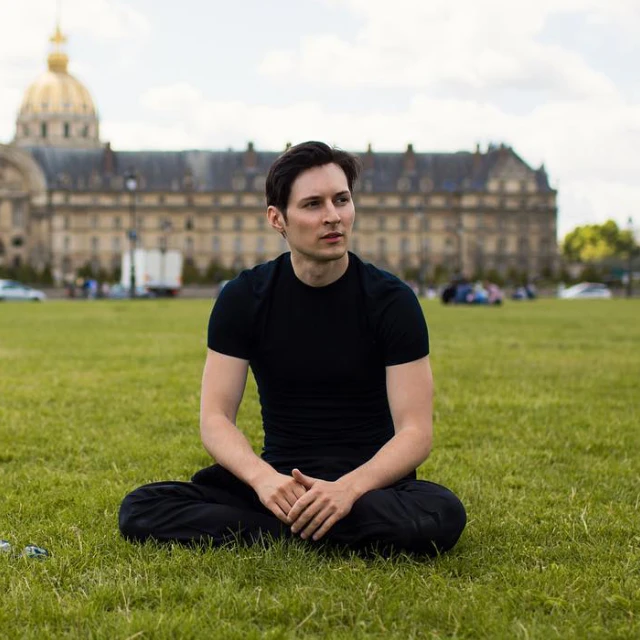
<point x="231" y="322"/>
<point x="403" y="328"/>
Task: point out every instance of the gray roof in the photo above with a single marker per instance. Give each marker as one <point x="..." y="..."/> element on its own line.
<point x="103" y="169"/>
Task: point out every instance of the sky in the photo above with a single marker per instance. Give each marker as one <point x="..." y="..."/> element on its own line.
<point x="557" y="80"/>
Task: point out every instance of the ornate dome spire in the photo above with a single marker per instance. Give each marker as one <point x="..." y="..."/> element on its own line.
<point x="58" y="59"/>
<point x="57" y="109"/>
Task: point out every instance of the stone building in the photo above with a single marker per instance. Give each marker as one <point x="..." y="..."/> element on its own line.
<point x="64" y="201"/>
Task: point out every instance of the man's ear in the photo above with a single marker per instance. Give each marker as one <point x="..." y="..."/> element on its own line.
<point x="276" y="220"/>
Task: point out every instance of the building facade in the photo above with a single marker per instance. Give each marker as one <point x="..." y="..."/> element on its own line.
<point x="64" y="202"/>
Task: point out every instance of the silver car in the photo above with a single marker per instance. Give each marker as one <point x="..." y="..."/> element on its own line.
<point x="586" y="290"/>
<point x="10" y="290"/>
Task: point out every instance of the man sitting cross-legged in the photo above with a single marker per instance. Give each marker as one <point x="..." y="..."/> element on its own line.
<point x="339" y="350"/>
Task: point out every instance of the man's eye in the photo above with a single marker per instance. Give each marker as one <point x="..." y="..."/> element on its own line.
<point x="310" y="204"/>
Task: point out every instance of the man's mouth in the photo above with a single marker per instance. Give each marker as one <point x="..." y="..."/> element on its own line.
<point x="329" y="236"/>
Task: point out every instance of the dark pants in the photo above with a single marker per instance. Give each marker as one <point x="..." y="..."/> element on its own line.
<point x="412" y="515"/>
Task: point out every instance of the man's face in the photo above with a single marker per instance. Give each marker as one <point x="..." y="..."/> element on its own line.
<point x="320" y="214"/>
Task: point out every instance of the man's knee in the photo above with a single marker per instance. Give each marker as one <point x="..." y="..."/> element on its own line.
<point x="133" y="524"/>
<point x="454" y="520"/>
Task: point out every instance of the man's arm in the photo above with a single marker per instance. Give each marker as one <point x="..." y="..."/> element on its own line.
<point x="410" y="393"/>
<point x="223" y="382"/>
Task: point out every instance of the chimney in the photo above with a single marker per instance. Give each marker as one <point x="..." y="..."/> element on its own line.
<point x="108" y="160"/>
<point x="409" y="159"/>
<point x="250" y="157"/>
<point x="477" y="159"/>
<point x="287" y="146"/>
<point x="368" y="160"/>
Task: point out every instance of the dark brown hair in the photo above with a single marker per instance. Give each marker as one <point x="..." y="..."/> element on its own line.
<point x="299" y="158"/>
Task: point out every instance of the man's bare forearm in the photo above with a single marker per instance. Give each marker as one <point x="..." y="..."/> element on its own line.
<point x="406" y="451"/>
<point x="231" y="449"/>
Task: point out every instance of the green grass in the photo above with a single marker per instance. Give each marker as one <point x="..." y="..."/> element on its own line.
<point x="537" y="430"/>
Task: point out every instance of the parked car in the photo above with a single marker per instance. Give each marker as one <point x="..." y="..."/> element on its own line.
<point x="10" y="290"/>
<point x="586" y="290"/>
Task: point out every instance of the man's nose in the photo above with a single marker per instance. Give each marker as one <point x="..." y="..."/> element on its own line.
<point x="331" y="214"/>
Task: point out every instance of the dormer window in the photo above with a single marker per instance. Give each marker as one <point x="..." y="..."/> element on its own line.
<point x="43" y="130"/>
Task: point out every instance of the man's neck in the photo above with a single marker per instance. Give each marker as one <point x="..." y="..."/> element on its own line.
<point x="318" y="274"/>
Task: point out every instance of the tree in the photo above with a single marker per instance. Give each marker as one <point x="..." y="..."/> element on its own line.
<point x="593" y="243"/>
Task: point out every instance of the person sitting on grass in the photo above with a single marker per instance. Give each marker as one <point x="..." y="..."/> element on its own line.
<point x="340" y="353"/>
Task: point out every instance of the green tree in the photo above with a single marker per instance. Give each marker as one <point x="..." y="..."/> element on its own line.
<point x="592" y="243"/>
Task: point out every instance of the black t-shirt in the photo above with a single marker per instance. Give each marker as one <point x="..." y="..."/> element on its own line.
<point x="318" y="355"/>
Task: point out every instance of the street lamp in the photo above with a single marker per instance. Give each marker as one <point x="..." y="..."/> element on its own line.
<point x="131" y="184"/>
<point x="166" y="230"/>
<point x="421" y="257"/>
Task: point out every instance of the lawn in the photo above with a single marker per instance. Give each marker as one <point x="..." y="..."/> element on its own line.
<point x="537" y="430"/>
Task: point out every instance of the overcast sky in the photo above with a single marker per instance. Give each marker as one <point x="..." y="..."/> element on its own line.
<point x="556" y="79"/>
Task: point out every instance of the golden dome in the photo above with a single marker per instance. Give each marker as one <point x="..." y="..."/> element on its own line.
<point x="56" y="91"/>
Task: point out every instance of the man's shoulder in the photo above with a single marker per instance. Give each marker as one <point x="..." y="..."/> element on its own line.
<point x="257" y="279"/>
<point x="379" y="283"/>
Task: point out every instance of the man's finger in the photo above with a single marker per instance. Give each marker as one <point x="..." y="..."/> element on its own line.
<point x="279" y="512"/>
<point x="299" y="507"/>
<point x="305" y="481"/>
<point x="301" y="520"/>
<point x="315" y="524"/>
<point x="326" y="526"/>
<point x="298" y="490"/>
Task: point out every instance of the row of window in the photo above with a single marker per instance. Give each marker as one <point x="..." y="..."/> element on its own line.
<point x="406" y="246"/>
<point x="66" y="130"/>
<point x="501" y="223"/>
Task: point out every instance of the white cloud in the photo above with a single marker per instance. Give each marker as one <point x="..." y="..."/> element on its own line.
<point x="436" y="45"/>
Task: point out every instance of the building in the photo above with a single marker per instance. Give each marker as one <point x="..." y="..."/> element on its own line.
<point x="64" y="202"/>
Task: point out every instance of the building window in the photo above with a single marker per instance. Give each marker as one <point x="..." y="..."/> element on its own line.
<point x="115" y="245"/>
<point x="237" y="245"/>
<point x="261" y="222"/>
<point x="216" y="245"/>
<point x="403" y="223"/>
<point x="66" y="243"/>
<point x="95" y="244"/>
<point x="188" y="245"/>
<point x="43" y="130"/>
<point x="382" y="247"/>
<point x="216" y="223"/>
<point x="239" y="183"/>
<point x="260" y="244"/>
<point x="237" y="223"/>
<point x="25" y="130"/>
<point x="117" y="222"/>
<point x="18" y="213"/>
<point x="85" y="131"/>
<point x="382" y="223"/>
<point x="405" y="247"/>
<point x="188" y="225"/>
<point x="67" y="130"/>
<point x="94" y="222"/>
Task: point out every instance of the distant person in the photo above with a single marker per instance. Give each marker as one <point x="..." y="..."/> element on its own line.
<point x="340" y="353"/>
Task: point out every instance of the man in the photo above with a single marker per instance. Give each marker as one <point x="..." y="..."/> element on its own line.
<point x="339" y="350"/>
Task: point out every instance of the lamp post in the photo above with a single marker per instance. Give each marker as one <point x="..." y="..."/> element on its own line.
<point x="166" y="229"/>
<point x="421" y="257"/>
<point x="131" y="184"/>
